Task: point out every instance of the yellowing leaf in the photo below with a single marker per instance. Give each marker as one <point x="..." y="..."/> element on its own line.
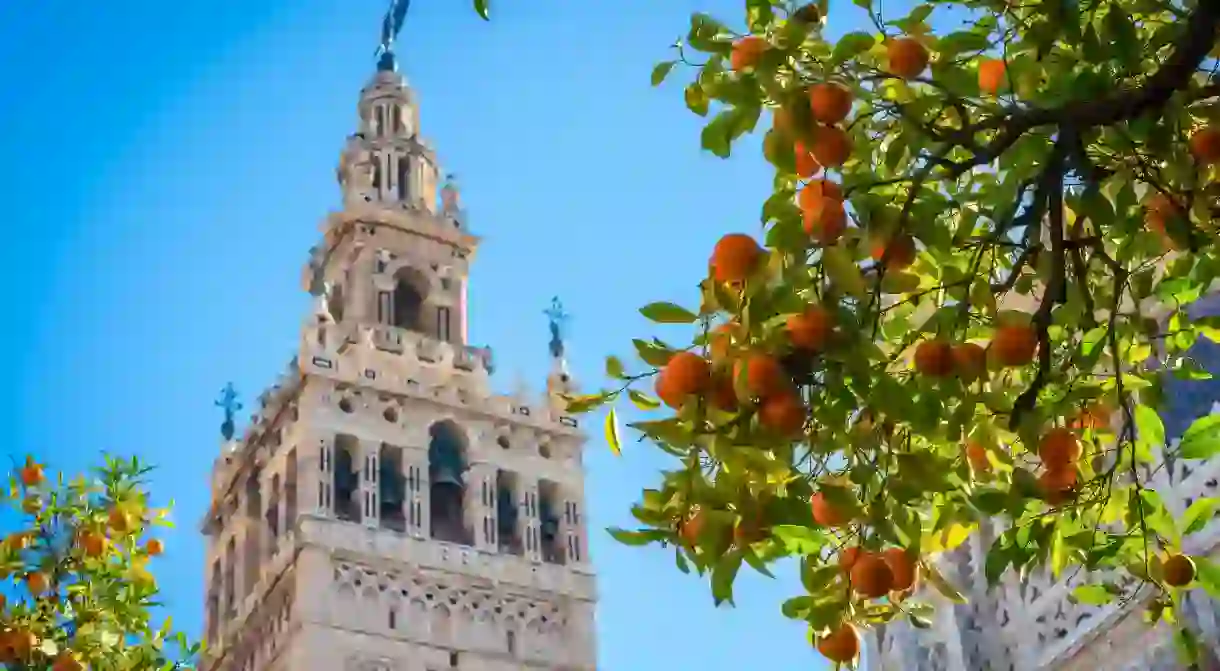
<point x="612" y="433"/>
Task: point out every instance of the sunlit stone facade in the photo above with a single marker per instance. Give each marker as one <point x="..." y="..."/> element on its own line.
<point x="385" y="511"/>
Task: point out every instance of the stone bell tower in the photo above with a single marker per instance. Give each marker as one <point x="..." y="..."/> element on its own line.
<point x="384" y="510"/>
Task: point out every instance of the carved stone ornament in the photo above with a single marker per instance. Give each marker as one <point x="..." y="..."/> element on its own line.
<point x="361" y="663"/>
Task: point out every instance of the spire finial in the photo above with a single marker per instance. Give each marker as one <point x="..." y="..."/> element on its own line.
<point x="229" y="403"/>
<point x="558" y="319"/>
<point x="391" y="25"/>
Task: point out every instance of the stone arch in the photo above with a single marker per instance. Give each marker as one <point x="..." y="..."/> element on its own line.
<point x="412" y="291"/>
<point x="448" y="454"/>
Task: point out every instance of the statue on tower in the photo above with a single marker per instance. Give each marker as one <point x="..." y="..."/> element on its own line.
<point x="558" y="318"/>
<point x="229" y="403"/>
<point x="391" y="25"/>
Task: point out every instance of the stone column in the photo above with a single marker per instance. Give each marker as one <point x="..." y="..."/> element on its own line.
<point x="318" y="477"/>
<point x="370" y="483"/>
<point x="415" y="469"/>
<point x="528" y="519"/>
<point x="479" y="504"/>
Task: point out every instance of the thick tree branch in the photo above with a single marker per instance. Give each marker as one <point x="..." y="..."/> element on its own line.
<point x="1192" y="46"/>
<point x="1050" y="191"/>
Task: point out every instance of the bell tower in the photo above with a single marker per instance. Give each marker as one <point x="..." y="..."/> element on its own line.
<point x="384" y="510"/>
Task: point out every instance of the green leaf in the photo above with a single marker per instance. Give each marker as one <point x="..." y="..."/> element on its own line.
<point x="941" y="584"/>
<point x="696" y="98"/>
<point x="612" y="433"/>
<point x="717" y="135"/>
<point x="481" y="8"/>
<point x="643" y="401"/>
<point x="1093" y="595"/>
<point x="668" y="313"/>
<point x="661" y="71"/>
<point x="852" y="45"/>
<point x="1207" y="573"/>
<point x="1202" y="439"/>
<point x="637" y="538"/>
<point x="1148" y="426"/>
<point x="959" y="42"/>
<point x="652" y="353"/>
<point x="581" y="404"/>
<point x="724" y="573"/>
<point x="800" y="540"/>
<point x="1198" y="515"/>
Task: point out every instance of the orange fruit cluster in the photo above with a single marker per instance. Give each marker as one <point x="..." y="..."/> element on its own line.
<point x="938" y="358"/>
<point x="1059" y="451"/>
<point x="823" y="211"/>
<point x="876" y="574"/>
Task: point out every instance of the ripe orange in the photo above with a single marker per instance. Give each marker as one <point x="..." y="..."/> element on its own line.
<point x="872" y="577"/>
<point x="1205" y="145"/>
<point x="897" y="252"/>
<point x="690" y="528"/>
<point x="1096" y="416"/>
<point x="747" y="531"/>
<point x="825" y="513"/>
<point x="686" y="373"/>
<point x="976" y="454"/>
<point x="746" y="52"/>
<point x="94" y="544"/>
<point x="1179" y="570"/>
<point x="991" y="76"/>
<point x="831" y="146"/>
<point x="66" y="661"/>
<point x="783" y="414"/>
<point x="908" y="58"/>
<point x="829" y="102"/>
<point x="764" y="376"/>
<point x="31" y="474"/>
<point x="806" y="165"/>
<point x="817" y="189"/>
<point x="721" y="395"/>
<point x="1059" y="448"/>
<point x="735" y="257"/>
<point x="154" y="547"/>
<point x="119" y="520"/>
<point x="825" y="221"/>
<point x="1015" y="344"/>
<point x="811" y="329"/>
<point x="903" y="568"/>
<point x="934" y="358"/>
<point x="1056" y="481"/>
<point x="841" y="645"/>
<point x="849" y="556"/>
<point x="969" y="361"/>
<point x="36" y="582"/>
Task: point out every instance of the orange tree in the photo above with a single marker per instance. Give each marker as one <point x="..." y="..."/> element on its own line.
<point x="969" y="287"/>
<point x="78" y="564"/>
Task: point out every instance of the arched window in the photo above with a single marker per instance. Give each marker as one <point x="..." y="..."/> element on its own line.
<point x="346" y="479"/>
<point x="446" y="471"/>
<point x="506" y="513"/>
<point x="410" y="292"/>
<point x="404" y="176"/>
<point x="393" y="489"/>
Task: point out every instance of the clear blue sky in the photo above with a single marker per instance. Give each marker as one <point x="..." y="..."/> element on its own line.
<point x="165" y="167"/>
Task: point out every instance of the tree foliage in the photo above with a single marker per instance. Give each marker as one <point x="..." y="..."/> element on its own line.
<point x="78" y="562"/>
<point x="970" y="290"/>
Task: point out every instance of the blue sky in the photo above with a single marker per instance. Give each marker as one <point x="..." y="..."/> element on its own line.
<point x="166" y="166"/>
